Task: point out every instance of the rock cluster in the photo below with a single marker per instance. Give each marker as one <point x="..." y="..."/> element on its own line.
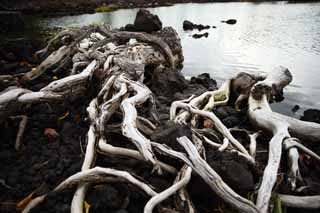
<point x="188" y="25"/>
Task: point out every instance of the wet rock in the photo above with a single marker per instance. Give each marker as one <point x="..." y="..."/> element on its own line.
<point x="201" y="27"/>
<point x="197" y="36"/>
<point x="295" y="108"/>
<point x="230" y="21"/>
<point x="205" y="80"/>
<point x="11" y="21"/>
<point x="147" y="22"/>
<point x="188" y="25"/>
<point x="312" y="115"/>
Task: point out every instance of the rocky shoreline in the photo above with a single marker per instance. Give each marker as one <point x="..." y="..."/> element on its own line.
<point x="69" y="7"/>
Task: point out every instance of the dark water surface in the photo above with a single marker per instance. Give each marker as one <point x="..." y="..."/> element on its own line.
<point x="266" y="35"/>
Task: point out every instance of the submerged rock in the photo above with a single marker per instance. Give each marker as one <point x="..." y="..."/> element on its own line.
<point x="205" y="80"/>
<point x="312" y="115"/>
<point x="188" y="25"/>
<point x="197" y="36"/>
<point x="230" y="21"/>
<point x="147" y="22"/>
<point x="229" y="116"/>
<point x="295" y="108"/>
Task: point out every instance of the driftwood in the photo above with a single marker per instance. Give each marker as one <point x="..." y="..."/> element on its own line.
<point x="113" y="64"/>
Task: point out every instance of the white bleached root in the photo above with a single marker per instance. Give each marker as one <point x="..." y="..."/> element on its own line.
<point x="92" y="175"/>
<point x="168" y="192"/>
<point x="201" y="167"/>
<point x="22" y="126"/>
<point x="129" y="128"/>
<point x="218" y="124"/>
<point x="79" y="195"/>
<point x="114" y="73"/>
<point x="305" y="202"/>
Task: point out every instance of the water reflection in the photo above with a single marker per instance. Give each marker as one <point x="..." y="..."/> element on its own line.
<point x="266" y="35"/>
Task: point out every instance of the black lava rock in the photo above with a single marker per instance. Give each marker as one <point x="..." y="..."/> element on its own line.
<point x="295" y="108"/>
<point x="167" y="82"/>
<point x="230" y="21"/>
<point x="188" y="25"/>
<point x="147" y="22"/>
<point x="197" y="36"/>
<point x="11" y="21"/>
<point x="205" y="80"/>
<point x="312" y="115"/>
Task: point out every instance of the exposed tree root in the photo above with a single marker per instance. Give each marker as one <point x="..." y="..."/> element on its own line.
<point x="306" y="202"/>
<point x="168" y="192"/>
<point x="114" y="64"/>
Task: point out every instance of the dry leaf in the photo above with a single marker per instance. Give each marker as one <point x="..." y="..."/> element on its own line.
<point x="49" y="132"/>
<point x="64" y="116"/>
<point x="24" y="202"/>
<point x="86" y="207"/>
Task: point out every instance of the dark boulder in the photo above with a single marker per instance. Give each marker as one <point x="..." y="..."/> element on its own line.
<point x="234" y="171"/>
<point x="197" y="36"/>
<point x="311" y="115"/>
<point x="170" y="132"/>
<point x="166" y="82"/>
<point x="11" y="21"/>
<point x="229" y="116"/>
<point x="205" y="80"/>
<point x="230" y="21"/>
<point x="201" y="27"/>
<point x="295" y="108"/>
<point x="188" y="25"/>
<point x="147" y="22"/>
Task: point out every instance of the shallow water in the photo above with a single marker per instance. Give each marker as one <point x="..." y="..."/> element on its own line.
<point x="266" y="35"/>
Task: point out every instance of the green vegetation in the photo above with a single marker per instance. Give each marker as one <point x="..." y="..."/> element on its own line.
<point x="107" y="8"/>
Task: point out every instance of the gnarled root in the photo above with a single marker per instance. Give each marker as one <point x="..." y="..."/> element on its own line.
<point x="96" y="174"/>
<point x="262" y="116"/>
<point x="113" y="78"/>
<point x="306" y="202"/>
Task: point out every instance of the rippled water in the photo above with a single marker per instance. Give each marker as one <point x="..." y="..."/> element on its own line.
<point x="266" y="35"/>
